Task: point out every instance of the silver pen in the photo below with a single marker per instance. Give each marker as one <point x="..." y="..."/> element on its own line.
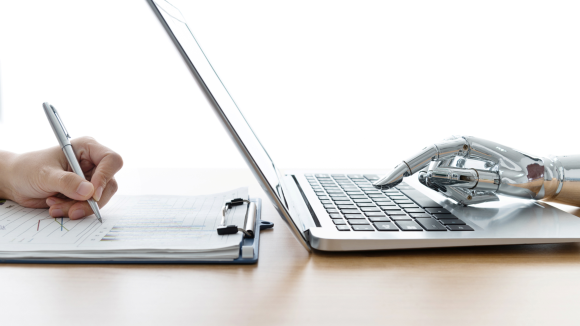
<point x="63" y="139"/>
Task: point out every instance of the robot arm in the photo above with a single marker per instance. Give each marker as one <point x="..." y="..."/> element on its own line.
<point x="472" y="170"/>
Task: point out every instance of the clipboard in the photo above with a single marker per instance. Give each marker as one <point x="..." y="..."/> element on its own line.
<point x="249" y="250"/>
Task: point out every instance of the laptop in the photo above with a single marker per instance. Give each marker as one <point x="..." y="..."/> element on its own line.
<point x="343" y="211"/>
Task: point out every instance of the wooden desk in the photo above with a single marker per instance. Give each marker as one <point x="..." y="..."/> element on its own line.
<point x="524" y="285"/>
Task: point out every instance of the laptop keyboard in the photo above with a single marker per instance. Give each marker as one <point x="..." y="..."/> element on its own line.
<point x="354" y="204"/>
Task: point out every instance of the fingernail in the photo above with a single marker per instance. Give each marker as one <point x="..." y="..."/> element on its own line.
<point x="77" y="214"/>
<point x="85" y="188"/>
<point x="50" y="201"/>
<point x="98" y="193"/>
<point x="57" y="212"/>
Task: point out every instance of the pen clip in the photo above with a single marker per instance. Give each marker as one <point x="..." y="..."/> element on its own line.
<point x="60" y="121"/>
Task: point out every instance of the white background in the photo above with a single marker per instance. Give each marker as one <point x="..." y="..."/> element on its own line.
<point x="324" y="84"/>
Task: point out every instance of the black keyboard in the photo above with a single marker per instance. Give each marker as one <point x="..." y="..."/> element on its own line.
<point x="353" y="203"/>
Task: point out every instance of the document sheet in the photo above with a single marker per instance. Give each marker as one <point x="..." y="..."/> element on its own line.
<point x="134" y="227"/>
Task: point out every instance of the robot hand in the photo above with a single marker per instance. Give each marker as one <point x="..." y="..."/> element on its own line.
<point x="472" y="170"/>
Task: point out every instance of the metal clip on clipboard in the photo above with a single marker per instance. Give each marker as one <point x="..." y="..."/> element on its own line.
<point x="249" y="222"/>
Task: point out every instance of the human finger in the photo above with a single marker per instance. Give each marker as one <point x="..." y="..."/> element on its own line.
<point x="107" y="162"/>
<point x="69" y="184"/>
<point x="79" y="209"/>
<point x="436" y="152"/>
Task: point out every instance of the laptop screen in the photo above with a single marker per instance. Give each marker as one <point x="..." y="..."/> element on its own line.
<point x="234" y="121"/>
<point x="218" y="93"/>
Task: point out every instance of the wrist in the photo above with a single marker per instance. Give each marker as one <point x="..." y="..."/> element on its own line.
<point x="6" y="163"/>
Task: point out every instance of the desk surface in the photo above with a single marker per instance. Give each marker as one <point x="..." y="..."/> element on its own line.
<point x="527" y="284"/>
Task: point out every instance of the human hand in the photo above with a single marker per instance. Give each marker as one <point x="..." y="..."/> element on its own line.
<point x="472" y="170"/>
<point x="44" y="178"/>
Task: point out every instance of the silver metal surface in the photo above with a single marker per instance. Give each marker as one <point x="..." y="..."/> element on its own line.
<point x="231" y="117"/>
<point x="471" y="170"/>
<point x="438" y="152"/>
<point x="506" y="222"/>
<point x="63" y="136"/>
<point x="249" y="220"/>
<point x="298" y="205"/>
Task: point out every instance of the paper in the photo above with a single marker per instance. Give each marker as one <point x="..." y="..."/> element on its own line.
<point x="133" y="226"/>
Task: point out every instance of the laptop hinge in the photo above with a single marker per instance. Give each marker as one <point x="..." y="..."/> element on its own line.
<point x="310" y="209"/>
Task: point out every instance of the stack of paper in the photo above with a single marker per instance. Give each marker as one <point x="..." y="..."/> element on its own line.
<point x="134" y="228"/>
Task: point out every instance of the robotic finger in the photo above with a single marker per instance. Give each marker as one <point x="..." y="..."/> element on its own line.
<point x="438" y="152"/>
<point x="464" y="178"/>
<point x="471" y="170"/>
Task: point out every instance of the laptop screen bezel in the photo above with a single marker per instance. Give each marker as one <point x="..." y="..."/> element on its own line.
<point x="218" y="96"/>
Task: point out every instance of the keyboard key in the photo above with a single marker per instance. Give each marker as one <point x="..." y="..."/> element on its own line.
<point x="403" y="201"/>
<point x="437" y="211"/>
<point x="326" y="201"/>
<point x="408" y="206"/>
<point x="366" y="204"/>
<point x="382" y="200"/>
<point x="347" y="206"/>
<point x="395" y="212"/>
<point x="358" y="196"/>
<point x="380" y="219"/>
<point x="368" y="191"/>
<point x="349" y="216"/>
<point x="397" y="197"/>
<point x="409" y="226"/>
<point x="343" y="202"/>
<point x="363" y="228"/>
<point x="413" y="210"/>
<point x="349" y="211"/>
<point x="355" y="176"/>
<point x="320" y="193"/>
<point x="459" y="227"/>
<point x="370" y="209"/>
<point x="322" y="197"/>
<point x="378" y="196"/>
<point x="400" y="217"/>
<point x="328" y="206"/>
<point x="451" y="221"/>
<point x="440" y="216"/>
<point x="386" y="226"/>
<point x="358" y="222"/>
<point x="374" y="214"/>
<point x="362" y="200"/>
<point x="421" y="199"/>
<point x="420" y="215"/>
<point x="387" y="205"/>
<point x="321" y="175"/>
<point x="392" y="192"/>
<point x="332" y="210"/>
<point x="339" y="222"/>
<point x="335" y="215"/>
<point x="431" y="224"/>
<point x="336" y="192"/>
<point x="343" y="228"/>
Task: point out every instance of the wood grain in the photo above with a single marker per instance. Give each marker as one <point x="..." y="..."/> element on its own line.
<point x="516" y="285"/>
